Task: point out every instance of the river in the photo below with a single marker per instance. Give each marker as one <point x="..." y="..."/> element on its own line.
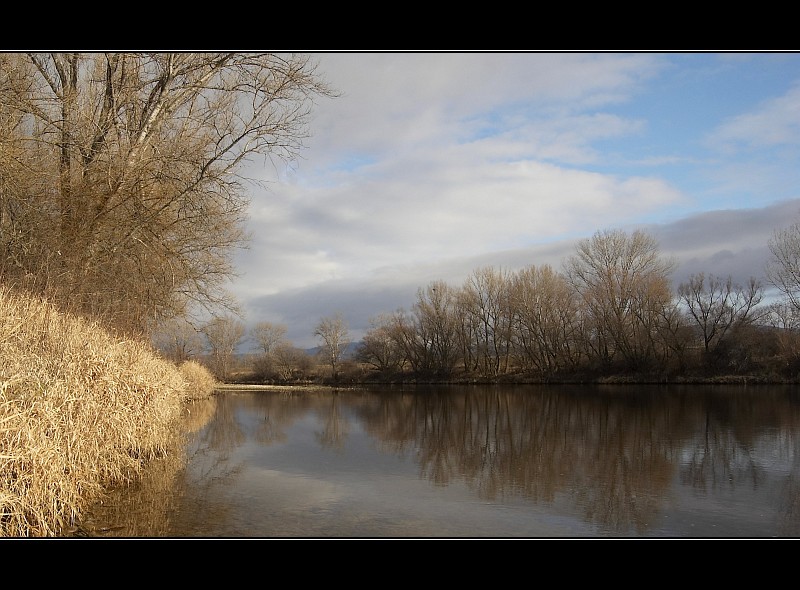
<point x="497" y="462"/>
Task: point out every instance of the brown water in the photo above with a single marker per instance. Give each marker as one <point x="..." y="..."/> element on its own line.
<point x="476" y="462"/>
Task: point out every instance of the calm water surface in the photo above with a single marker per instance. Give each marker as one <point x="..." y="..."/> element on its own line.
<point x="475" y="462"/>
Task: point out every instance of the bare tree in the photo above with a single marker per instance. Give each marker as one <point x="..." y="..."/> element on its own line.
<point x="223" y="335"/>
<point x="783" y="315"/>
<point x="468" y="329"/>
<point x="333" y="332"/>
<point x="412" y="343"/>
<point x="545" y="320"/>
<point x="435" y="320"/>
<point x="178" y="340"/>
<point x="675" y="335"/>
<point x="785" y="318"/>
<point x="486" y="297"/>
<point x="623" y="283"/>
<point x="288" y="360"/>
<point x="718" y="305"/>
<point x="783" y="269"/>
<point x="268" y="335"/>
<point x="123" y="192"/>
<point x="379" y="347"/>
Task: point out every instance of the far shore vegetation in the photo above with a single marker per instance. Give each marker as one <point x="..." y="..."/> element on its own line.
<point x="609" y="315"/>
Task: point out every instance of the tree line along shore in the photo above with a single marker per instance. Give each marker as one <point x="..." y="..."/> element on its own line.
<point x="610" y="314"/>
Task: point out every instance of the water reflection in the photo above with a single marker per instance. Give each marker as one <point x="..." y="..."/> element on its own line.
<point x="506" y="461"/>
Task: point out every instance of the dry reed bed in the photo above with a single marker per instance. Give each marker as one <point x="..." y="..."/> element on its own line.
<point x="200" y="382"/>
<point x="80" y="411"/>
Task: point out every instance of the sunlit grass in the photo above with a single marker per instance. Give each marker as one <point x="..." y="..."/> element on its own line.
<point x="200" y="383"/>
<point x="80" y="411"/>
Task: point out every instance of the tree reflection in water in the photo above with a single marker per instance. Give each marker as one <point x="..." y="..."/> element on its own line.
<point x="612" y="460"/>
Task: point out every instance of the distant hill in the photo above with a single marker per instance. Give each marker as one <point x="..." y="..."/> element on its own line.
<point x="348" y="353"/>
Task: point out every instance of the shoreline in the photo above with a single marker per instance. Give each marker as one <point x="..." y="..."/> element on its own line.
<point x="272" y="387"/>
<point x="619" y="381"/>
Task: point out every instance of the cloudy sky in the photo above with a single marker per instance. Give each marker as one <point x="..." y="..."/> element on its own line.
<point x="428" y="166"/>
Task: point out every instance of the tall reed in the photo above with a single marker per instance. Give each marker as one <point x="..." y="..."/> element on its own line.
<point x="80" y="411"/>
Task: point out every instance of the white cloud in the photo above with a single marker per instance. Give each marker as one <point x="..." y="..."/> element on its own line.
<point x="446" y="208"/>
<point x="391" y="103"/>
<point x="775" y="122"/>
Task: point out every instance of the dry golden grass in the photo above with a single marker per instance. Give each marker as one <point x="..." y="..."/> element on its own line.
<point x="200" y="383"/>
<point x="80" y="411"/>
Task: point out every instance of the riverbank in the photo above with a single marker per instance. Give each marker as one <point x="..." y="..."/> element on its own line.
<point x="272" y="387"/>
<point x="577" y="379"/>
<point x="81" y="410"/>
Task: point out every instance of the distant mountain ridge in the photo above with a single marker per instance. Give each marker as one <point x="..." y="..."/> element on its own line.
<point x="348" y="353"/>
